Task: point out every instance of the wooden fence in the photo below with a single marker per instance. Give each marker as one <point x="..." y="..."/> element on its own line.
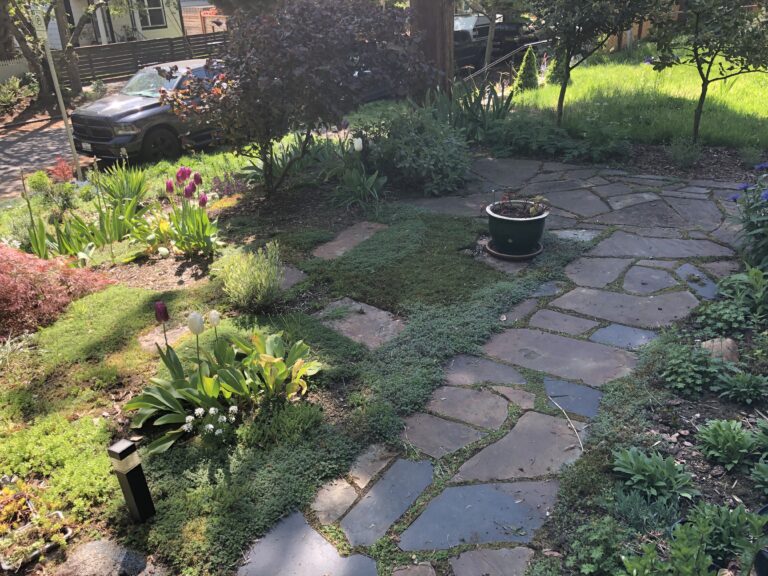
<point x="122" y="60"/>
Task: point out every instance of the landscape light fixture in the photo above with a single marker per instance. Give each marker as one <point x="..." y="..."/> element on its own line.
<point x="127" y="465"/>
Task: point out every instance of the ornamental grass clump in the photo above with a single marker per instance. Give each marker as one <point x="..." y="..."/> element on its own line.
<point x="251" y="281"/>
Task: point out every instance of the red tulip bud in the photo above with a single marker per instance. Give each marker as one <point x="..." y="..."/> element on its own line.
<point x="161" y="312"/>
<point x="203" y="200"/>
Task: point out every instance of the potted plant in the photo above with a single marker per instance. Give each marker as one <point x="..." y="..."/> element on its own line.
<point x="516" y="227"/>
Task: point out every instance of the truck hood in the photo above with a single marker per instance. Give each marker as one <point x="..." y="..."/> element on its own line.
<point x="118" y="106"/>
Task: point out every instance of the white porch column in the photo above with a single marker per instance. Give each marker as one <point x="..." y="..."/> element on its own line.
<point x="102" y="26"/>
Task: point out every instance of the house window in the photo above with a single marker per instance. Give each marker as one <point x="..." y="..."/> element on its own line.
<point x="151" y="14"/>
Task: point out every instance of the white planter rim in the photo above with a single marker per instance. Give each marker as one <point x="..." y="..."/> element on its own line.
<point x="492" y="213"/>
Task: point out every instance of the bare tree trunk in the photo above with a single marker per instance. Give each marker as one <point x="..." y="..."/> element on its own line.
<point x="6" y="36"/>
<point x="433" y="19"/>
<point x="563" y="88"/>
<point x="70" y="57"/>
<point x="489" y="43"/>
<point x="699" y="111"/>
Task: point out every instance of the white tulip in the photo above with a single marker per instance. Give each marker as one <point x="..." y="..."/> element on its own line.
<point x="196" y="323"/>
<point x="358" y="144"/>
<point x="214" y="318"/>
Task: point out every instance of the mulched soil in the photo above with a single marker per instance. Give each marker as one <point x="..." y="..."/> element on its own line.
<point x="714" y="164"/>
<point x="160" y="273"/>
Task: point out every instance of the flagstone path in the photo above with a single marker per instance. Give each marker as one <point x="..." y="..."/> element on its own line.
<point x="661" y="246"/>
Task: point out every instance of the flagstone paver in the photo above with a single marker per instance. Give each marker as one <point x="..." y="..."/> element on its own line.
<point x="650" y="214"/>
<point x="347" y="239"/>
<point x="525" y="400"/>
<point x="553" y="187"/>
<point x="370" y="463"/>
<point x="623" y="336"/>
<point x="481" y="513"/>
<point x="641" y="280"/>
<point x="293" y="548"/>
<point x="575" y="398"/>
<point x="552" y="288"/>
<point x="386" y="501"/>
<point x="721" y="268"/>
<point x="580" y="202"/>
<point x="697" y="281"/>
<point x="559" y="322"/>
<point x="641" y="311"/>
<point x="582" y="235"/>
<point x="291" y="277"/>
<point x="333" y="500"/>
<point x="476" y="407"/>
<point x="594" y="364"/>
<point x="596" y="272"/>
<point x="627" y="200"/>
<point x="510" y="267"/>
<point x="613" y="189"/>
<point x="519" y="312"/>
<point x="416" y="570"/>
<point x="506" y="172"/>
<point x="464" y="370"/>
<point x="623" y="244"/>
<point x="437" y="437"/>
<point x="664" y="264"/>
<point x="538" y="445"/>
<point x="491" y="562"/>
<point x="698" y="213"/>
<point x="360" y="322"/>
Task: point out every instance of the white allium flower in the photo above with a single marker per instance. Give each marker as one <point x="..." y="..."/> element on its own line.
<point x="189" y="419"/>
<point x="231" y="417"/>
<point x="196" y="323"/>
<point x="209" y="427"/>
<point x="213" y="411"/>
<point x="358" y="144"/>
<point x="187" y="427"/>
<point x="199" y="412"/>
<point x="233" y="409"/>
<point x="219" y="432"/>
<point x="222" y="419"/>
<point x="214" y="318"/>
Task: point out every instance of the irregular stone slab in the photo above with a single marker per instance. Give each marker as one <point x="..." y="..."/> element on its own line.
<point x="472" y="205"/>
<point x="652" y="232"/>
<point x="386" y="501"/>
<point x="552" y="288"/>
<point x="627" y="200"/>
<point x="729" y="233"/>
<point x="370" y="463"/>
<point x="581" y="202"/>
<point x="538" y="445"/>
<point x="481" y="514"/>
<point x="465" y="370"/>
<point x="554" y="187"/>
<point x="501" y="562"/>
<point x="582" y="173"/>
<point x="555" y="222"/>
<point x="574" y="398"/>
<point x="333" y="500"/>
<point x="623" y="336"/>
<point x="596" y="272"/>
<point x="525" y="400"/>
<point x="559" y="322"/>
<point x="291" y="277"/>
<point x="623" y="244"/>
<point x="437" y="437"/>
<point x="417" y="570"/>
<point x="594" y="364"/>
<point x="641" y="280"/>
<point x="293" y="548"/>
<point x="716" y="184"/>
<point x="347" y="239"/>
<point x="578" y="235"/>
<point x="615" y="189"/>
<point x="697" y="281"/>
<point x="702" y="214"/>
<point x="506" y="172"/>
<point x="103" y="557"/>
<point x="721" y="268"/>
<point x="647" y="180"/>
<point x="665" y="264"/>
<point x="650" y="214"/>
<point x="154" y="338"/>
<point x="475" y="407"/>
<point x="519" y="312"/>
<point x="642" y="311"/>
<point x="694" y="190"/>
<point x="558" y="167"/>
<point x="548" y="177"/>
<point x="510" y="267"/>
<point x="360" y="322"/>
<point x="698" y="234"/>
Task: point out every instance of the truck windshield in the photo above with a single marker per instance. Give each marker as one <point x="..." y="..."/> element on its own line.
<point x="148" y="83"/>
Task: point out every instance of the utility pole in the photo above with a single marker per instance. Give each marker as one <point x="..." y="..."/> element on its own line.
<point x="433" y="19"/>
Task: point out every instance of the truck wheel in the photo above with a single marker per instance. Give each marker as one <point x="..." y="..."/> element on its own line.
<point x="160" y="143"/>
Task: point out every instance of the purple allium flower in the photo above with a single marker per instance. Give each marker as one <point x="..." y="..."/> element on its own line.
<point x="762" y="166"/>
<point x="764" y="196"/>
<point x="648" y="60"/>
<point x="161" y="312"/>
<point x="197" y="178"/>
<point x="189" y="191"/>
<point x="745" y="186"/>
<point x="202" y="200"/>
<point x="734" y="197"/>
<point x="169" y="186"/>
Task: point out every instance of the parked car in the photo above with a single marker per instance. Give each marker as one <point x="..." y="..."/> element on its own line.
<point x="470" y="36"/>
<point x="135" y="124"/>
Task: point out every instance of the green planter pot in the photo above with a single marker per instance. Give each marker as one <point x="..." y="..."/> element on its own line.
<point x="515" y="237"/>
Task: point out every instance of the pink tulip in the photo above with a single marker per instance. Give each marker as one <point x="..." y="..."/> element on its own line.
<point x="197" y="178"/>
<point x="169" y="186"/>
<point x="202" y="200"/>
<point x="189" y="191"/>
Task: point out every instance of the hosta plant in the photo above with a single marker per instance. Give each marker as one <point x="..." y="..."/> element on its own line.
<point x="653" y="474"/>
<point x="726" y="442"/>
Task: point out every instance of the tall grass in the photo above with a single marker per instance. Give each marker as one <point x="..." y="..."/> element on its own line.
<point x="655" y="107"/>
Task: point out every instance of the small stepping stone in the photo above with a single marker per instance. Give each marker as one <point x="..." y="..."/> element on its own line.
<point x="360" y="322"/>
<point x="385" y="502"/>
<point x="293" y="548"/>
<point x="721" y="268"/>
<point x="697" y="281"/>
<point x="501" y="562"/>
<point x="642" y="311"/>
<point x="437" y="437"/>
<point x="624" y="244"/>
<point x="107" y="557"/>
<point x="578" y="235"/>
<point x="464" y="370"/>
<point x="347" y="239"/>
<point x="476" y="407"/>
<point x="623" y="336"/>
<point x="594" y="364"/>
<point x="574" y="398"/>
<point x="291" y="277"/>
<point x="480" y="514"/>
<point x="333" y="500"/>
<point x="619" y="202"/>
<point x="154" y="338"/>
<point x="417" y="570"/>
<point x="525" y="308"/>
<point x="559" y="322"/>
<point x="580" y="202"/>
<point x="642" y="280"/>
<point x="665" y="264"/>
<point x="370" y="463"/>
<point x="538" y="445"/>
<point x="596" y="272"/>
<point x="525" y="400"/>
<point x="615" y="189"/>
<point x="552" y="288"/>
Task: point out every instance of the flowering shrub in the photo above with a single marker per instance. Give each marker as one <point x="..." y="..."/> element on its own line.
<point x="753" y="209"/>
<point x="251" y="281"/>
<point x="34" y="291"/>
<point x="62" y="171"/>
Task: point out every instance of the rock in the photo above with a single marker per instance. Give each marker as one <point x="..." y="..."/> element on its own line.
<point x="722" y="348"/>
<point x="105" y="557"/>
<point x="360" y="322"/>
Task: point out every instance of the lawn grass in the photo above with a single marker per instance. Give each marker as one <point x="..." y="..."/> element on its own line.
<point x="631" y="98"/>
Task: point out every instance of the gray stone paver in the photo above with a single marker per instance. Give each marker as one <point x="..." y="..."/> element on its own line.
<point x="627" y="200"/>
<point x="701" y="214"/>
<point x="623" y="336"/>
<point x="477" y="407"/>
<point x="697" y="281"/>
<point x="596" y="272"/>
<point x="582" y="235"/>
<point x="525" y="400"/>
<point x="436" y="436"/>
<point x="641" y="280"/>
<point x="416" y="570"/>
<point x="464" y="370"/>
<point x="493" y="562"/>
<point x="333" y="500"/>
<point x="360" y="322"/>
<point x="519" y="312"/>
<point x="721" y="268"/>
<point x="575" y="398"/>
<point x="370" y="463"/>
<point x="291" y="277"/>
<point x="347" y="239"/>
<point x="664" y="264"/>
<point x="580" y="202"/>
<point x="506" y="172"/>
<point x="386" y="501"/>
<point x="293" y="548"/>
<point x="559" y="322"/>
<point x="630" y="245"/>
<point x="538" y="445"/>
<point x="649" y="214"/>
<point x="480" y="514"/>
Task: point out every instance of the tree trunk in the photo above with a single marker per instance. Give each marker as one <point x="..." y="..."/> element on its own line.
<point x="70" y="57"/>
<point x="433" y="19"/>
<point x="699" y="110"/>
<point x="489" y="43"/>
<point x="6" y="36"/>
<point x="563" y="88"/>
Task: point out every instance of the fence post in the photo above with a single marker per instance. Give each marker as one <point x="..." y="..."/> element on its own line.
<point x="90" y="65"/>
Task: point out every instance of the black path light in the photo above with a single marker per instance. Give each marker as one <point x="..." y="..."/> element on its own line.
<point x="127" y="465"/>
